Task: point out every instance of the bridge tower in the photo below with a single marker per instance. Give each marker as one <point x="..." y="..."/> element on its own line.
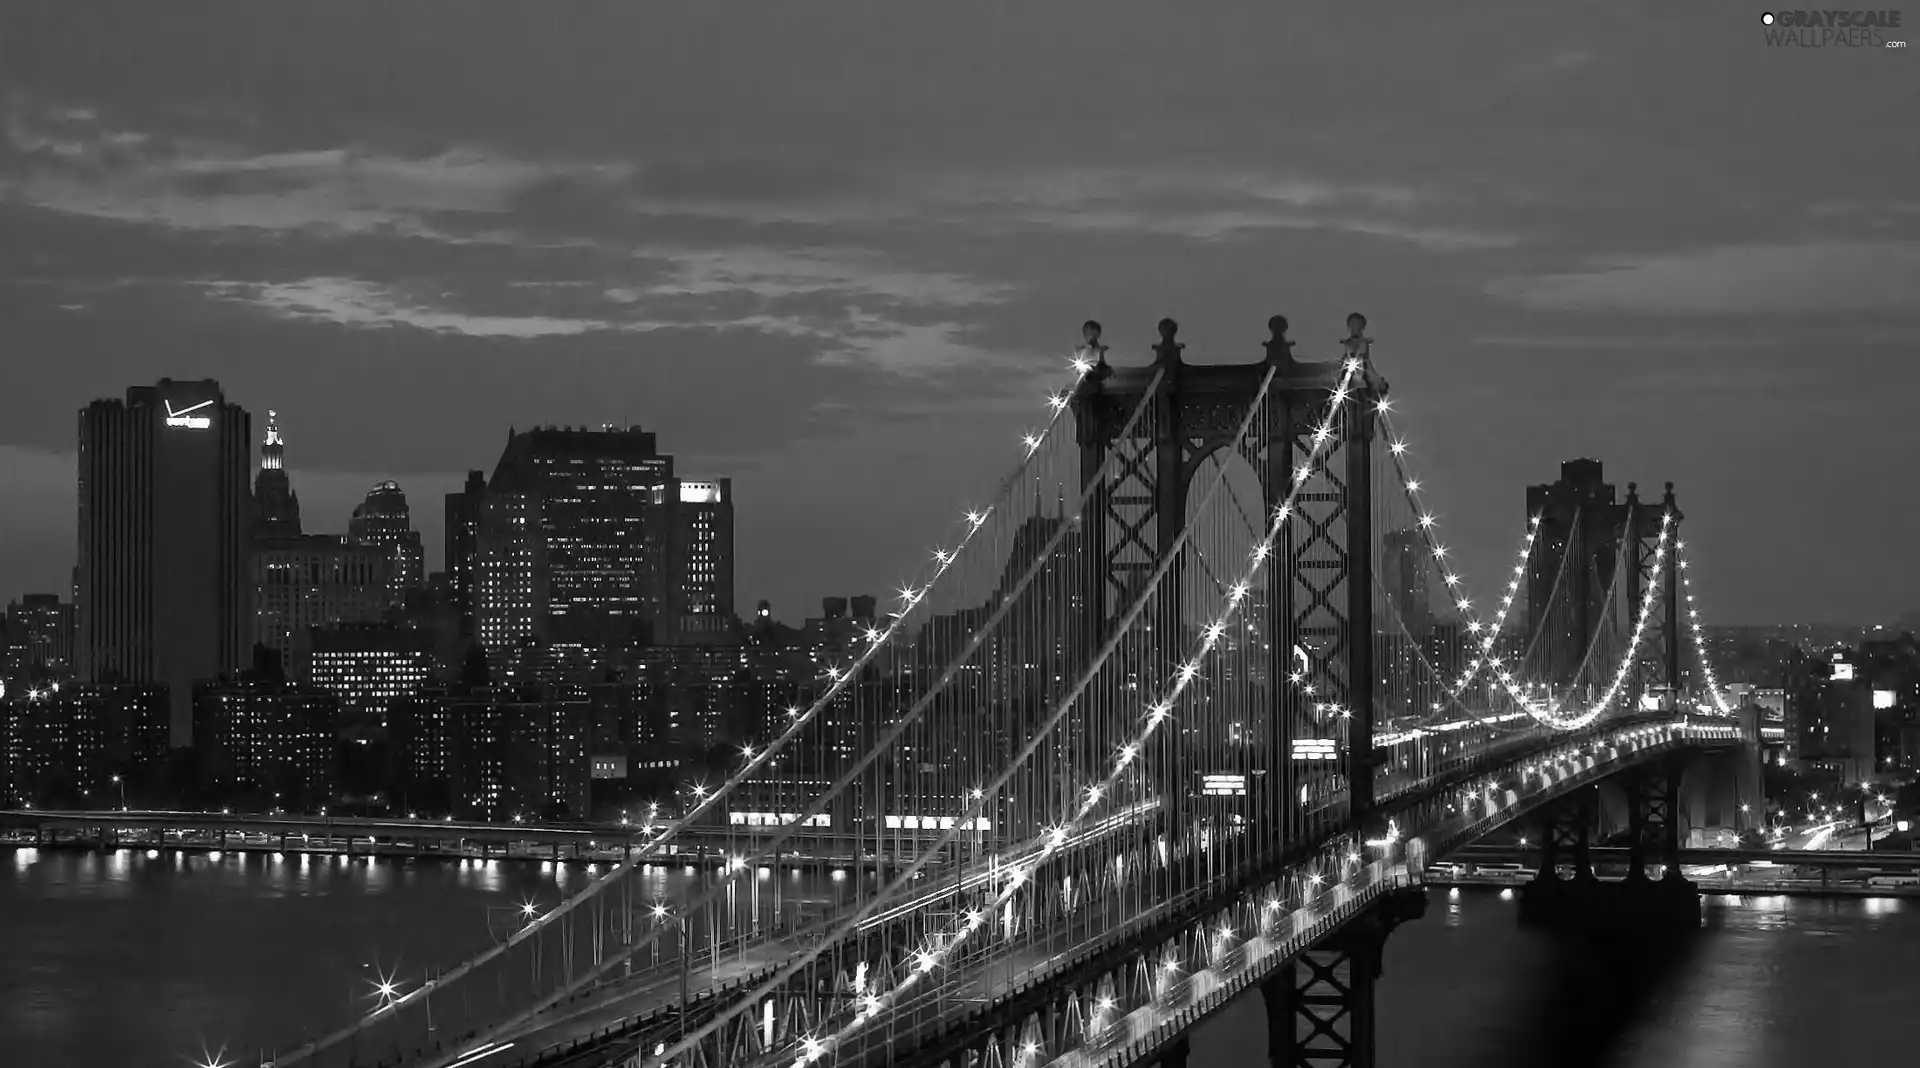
<point x="1657" y="575"/>
<point x="1315" y="603"/>
<point x="1572" y="569"/>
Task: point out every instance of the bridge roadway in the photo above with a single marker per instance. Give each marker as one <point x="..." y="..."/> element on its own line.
<point x="1134" y="1036"/>
<point x="655" y="990"/>
<point x="975" y="982"/>
<point x="586" y="1022"/>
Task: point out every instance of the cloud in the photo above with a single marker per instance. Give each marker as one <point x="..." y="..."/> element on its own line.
<point x="75" y="162"/>
<point x="72" y="161"/>
<point x="1813" y="276"/>
<point x="840" y="337"/>
<point x="774" y="273"/>
<point x="354" y="302"/>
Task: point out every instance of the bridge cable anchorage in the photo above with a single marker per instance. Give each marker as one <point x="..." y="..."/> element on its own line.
<point x="1084" y="362"/>
<point x="741" y="865"/>
<point x="1699" y="638"/>
<point x="1158" y="713"/>
<point x="927" y="960"/>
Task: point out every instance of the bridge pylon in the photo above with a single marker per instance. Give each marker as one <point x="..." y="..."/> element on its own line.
<point x="1633" y="905"/>
<point x="1320" y="1005"/>
<point x="1315" y="603"/>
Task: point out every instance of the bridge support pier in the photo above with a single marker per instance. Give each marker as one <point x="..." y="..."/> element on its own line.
<point x="1320" y="1007"/>
<point x="1636" y="904"/>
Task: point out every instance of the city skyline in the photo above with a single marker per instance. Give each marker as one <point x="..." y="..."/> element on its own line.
<point x="404" y="270"/>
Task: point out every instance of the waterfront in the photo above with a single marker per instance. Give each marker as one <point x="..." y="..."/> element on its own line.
<point x="128" y="961"/>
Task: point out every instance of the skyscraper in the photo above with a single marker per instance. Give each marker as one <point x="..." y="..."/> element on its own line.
<point x="463" y="542"/>
<point x="589" y="511"/>
<point x="276" y="507"/>
<point x="384" y="519"/>
<point x="165" y="514"/>
<point x="300" y="580"/>
<point x="1575" y="554"/>
<point x="701" y="582"/>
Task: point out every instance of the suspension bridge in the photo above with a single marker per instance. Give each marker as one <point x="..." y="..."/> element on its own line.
<point x="1186" y="707"/>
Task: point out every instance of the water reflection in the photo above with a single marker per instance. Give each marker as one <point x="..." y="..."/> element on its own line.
<point x="136" y="956"/>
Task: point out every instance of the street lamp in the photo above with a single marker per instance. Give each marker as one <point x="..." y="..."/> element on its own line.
<point x="661" y="914"/>
<point x="122" y="784"/>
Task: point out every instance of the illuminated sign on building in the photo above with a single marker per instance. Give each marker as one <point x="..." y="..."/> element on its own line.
<point x="1223" y="785"/>
<point x="185" y="418"/>
<point x="1883" y="698"/>
<point x="1842" y="671"/>
<point x="700" y="493"/>
<point x="1315" y="749"/>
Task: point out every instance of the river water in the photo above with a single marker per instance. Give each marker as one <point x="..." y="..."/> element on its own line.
<point x="129" y="962"/>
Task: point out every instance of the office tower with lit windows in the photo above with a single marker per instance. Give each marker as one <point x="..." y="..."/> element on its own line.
<point x="276" y="508"/>
<point x="384" y="519"/>
<point x="701" y="555"/>
<point x="588" y="511"/>
<point x="165" y="517"/>
<point x="509" y="575"/>
<point x="315" y="580"/>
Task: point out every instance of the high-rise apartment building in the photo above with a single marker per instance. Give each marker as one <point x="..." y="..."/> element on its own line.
<point x="37" y="639"/>
<point x="369" y="667"/>
<point x="701" y="554"/>
<point x="384" y="519"/>
<point x="269" y="742"/>
<point x="165" y="515"/>
<point x="276" y="508"/>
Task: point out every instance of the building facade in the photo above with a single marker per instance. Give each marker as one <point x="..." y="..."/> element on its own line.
<point x="370" y="667"/>
<point x="271" y="744"/>
<point x="384" y="519"/>
<point x="315" y="580"/>
<point x="36" y="642"/>
<point x="163" y="595"/>
<point x="701" y="555"/>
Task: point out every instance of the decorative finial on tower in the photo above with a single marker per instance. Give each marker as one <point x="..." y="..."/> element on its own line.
<point x="1090" y="333"/>
<point x="1279" y="349"/>
<point x="272" y="449"/>
<point x="1358" y="345"/>
<point x="1669" y="497"/>
<point x="1168" y="350"/>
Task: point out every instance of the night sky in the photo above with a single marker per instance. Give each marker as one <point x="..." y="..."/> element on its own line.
<point x="841" y="251"/>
